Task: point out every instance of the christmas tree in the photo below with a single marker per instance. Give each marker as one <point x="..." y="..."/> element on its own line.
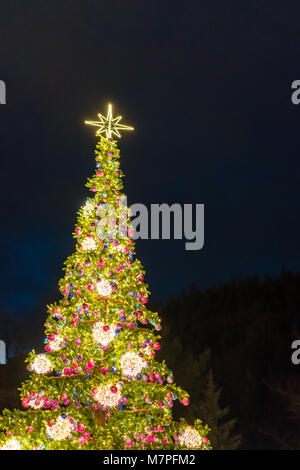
<point x="97" y="384"/>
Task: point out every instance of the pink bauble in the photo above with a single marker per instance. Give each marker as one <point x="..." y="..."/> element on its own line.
<point x="90" y="364"/>
<point x="80" y="427"/>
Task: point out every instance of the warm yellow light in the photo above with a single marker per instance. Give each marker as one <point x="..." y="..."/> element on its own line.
<point x="106" y="397"/>
<point x="102" y="335"/>
<point x="11" y="444"/>
<point x="103" y="287"/>
<point x="132" y="364"/>
<point x="61" y="430"/>
<point x="41" y="364"/>
<point x="109" y="125"/>
<point x="190" y="437"/>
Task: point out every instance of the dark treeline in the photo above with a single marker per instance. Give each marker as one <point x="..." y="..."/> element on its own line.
<point x="248" y="325"/>
<point x="229" y="347"/>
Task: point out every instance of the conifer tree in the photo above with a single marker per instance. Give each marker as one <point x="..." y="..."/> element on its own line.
<point x="97" y="384"/>
<point x="222" y="435"/>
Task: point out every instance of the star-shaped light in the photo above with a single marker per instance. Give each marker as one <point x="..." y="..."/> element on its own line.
<point x="109" y="125"/>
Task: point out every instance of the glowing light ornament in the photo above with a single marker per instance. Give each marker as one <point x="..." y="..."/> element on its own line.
<point x="88" y="208"/>
<point x="57" y="343"/>
<point x="132" y="364"/>
<point x="109" y="125"/>
<point x="106" y="397"/>
<point x="61" y="430"/>
<point x="11" y="444"/>
<point x="190" y="437"/>
<point x="119" y="248"/>
<point x="41" y="364"/>
<point x="36" y="405"/>
<point x="102" y="335"/>
<point x="103" y="288"/>
<point x="89" y="244"/>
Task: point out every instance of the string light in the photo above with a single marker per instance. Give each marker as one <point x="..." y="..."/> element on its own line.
<point x="41" y="364"/>
<point x="190" y="437"/>
<point x="106" y="397"/>
<point x="132" y="364"/>
<point x="89" y="244"/>
<point x="61" y="430"/>
<point x="103" y="334"/>
<point x="57" y="343"/>
<point x="88" y="208"/>
<point x="11" y="444"/>
<point x="103" y="288"/>
<point x="36" y="404"/>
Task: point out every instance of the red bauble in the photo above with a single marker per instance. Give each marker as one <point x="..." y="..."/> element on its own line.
<point x="185" y="401"/>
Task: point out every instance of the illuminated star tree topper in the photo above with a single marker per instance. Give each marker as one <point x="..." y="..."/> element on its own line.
<point x="109" y="125"/>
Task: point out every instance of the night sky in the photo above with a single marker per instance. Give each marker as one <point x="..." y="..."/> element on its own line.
<point x="207" y="86"/>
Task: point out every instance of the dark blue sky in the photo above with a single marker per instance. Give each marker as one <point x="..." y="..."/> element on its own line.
<point x="206" y="84"/>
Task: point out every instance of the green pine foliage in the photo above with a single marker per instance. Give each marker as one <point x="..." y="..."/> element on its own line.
<point x="222" y="434"/>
